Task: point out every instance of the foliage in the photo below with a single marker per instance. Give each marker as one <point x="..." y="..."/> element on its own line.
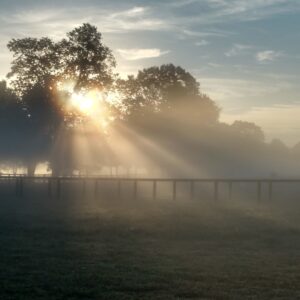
<point x="248" y="130"/>
<point x="12" y="124"/>
<point x="81" y="57"/>
<point x="39" y="65"/>
<point x="167" y="89"/>
<point x="85" y="59"/>
<point x="160" y="110"/>
<point x="36" y="62"/>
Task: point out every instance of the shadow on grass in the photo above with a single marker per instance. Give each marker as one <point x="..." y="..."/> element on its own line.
<point x="86" y="248"/>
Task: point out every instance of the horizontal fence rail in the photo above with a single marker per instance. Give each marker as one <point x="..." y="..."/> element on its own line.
<point x="54" y="184"/>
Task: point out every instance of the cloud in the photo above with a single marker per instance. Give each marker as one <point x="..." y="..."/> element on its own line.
<point x="132" y="12"/>
<point x="278" y="121"/>
<point x="267" y="100"/>
<point x="214" y="65"/>
<point x="267" y="56"/>
<point x="224" y="11"/>
<point x="136" y="53"/>
<point x="238" y="94"/>
<point x="202" y="43"/>
<point x="213" y="33"/>
<point x="133" y="19"/>
<point x="38" y="21"/>
<point x="109" y="20"/>
<point x="237" y="49"/>
<point x="31" y="16"/>
<point x="182" y="3"/>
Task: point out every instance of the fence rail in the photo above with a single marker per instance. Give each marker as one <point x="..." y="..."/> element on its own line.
<point x="54" y="184"/>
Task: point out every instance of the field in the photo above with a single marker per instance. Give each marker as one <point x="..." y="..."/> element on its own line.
<point x="120" y="249"/>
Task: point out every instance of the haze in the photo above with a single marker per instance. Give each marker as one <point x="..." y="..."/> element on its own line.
<point x="245" y="54"/>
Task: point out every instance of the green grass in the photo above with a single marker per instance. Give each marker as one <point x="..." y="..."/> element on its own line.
<point x="91" y="250"/>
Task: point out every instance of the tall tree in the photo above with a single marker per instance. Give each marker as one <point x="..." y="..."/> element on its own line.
<point x="12" y="123"/>
<point x="167" y="89"/>
<point x="248" y="130"/>
<point x="164" y="105"/>
<point x="85" y="59"/>
<point x="40" y="65"/>
<point x="81" y="57"/>
<point x="156" y="87"/>
<point x="35" y="62"/>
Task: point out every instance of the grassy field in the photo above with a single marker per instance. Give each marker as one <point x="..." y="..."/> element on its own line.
<point x="88" y="249"/>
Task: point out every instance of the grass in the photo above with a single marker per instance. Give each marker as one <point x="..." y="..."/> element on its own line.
<point x="87" y="249"/>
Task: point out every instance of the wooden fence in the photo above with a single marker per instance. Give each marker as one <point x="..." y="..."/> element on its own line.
<point x="54" y="184"/>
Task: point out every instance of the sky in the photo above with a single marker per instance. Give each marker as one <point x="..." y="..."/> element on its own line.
<point x="245" y="54"/>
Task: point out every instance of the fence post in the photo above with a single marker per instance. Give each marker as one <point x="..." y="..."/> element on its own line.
<point x="119" y="189"/>
<point x="21" y="187"/>
<point x="96" y="188"/>
<point x="154" y="190"/>
<point x="192" y="190"/>
<point x="270" y="190"/>
<point x="58" y="188"/>
<point x="258" y="191"/>
<point x="216" y="191"/>
<point x="17" y="187"/>
<point x="83" y="187"/>
<point x="49" y="188"/>
<point x="135" y="189"/>
<point x="174" y="190"/>
<point x="230" y="190"/>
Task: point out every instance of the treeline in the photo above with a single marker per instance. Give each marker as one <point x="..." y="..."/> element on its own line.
<point x="158" y="120"/>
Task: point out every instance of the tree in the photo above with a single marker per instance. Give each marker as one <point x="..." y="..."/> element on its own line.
<point x="166" y="113"/>
<point x="156" y="87"/>
<point x="248" y="130"/>
<point x="35" y="62"/>
<point x="85" y="59"/>
<point x="12" y="123"/>
<point x="44" y="120"/>
<point x="168" y="90"/>
<point x="81" y="57"/>
<point x="40" y="65"/>
<point x="296" y="150"/>
<point x="279" y="147"/>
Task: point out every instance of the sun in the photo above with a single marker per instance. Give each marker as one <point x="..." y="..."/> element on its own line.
<point x="87" y="104"/>
<point x="94" y="106"/>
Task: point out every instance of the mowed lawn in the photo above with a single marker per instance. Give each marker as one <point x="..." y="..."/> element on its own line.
<point x="95" y="249"/>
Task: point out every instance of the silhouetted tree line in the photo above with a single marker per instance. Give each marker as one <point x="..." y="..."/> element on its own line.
<point x="161" y="121"/>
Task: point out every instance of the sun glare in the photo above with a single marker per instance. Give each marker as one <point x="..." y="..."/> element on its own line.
<point x="87" y="104"/>
<point x="94" y="105"/>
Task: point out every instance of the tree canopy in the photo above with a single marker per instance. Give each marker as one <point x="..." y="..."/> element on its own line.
<point x="161" y="111"/>
<point x="81" y="57"/>
<point x="85" y="59"/>
<point x="38" y="68"/>
<point x="12" y="124"/>
<point x="167" y="89"/>
<point x="248" y="130"/>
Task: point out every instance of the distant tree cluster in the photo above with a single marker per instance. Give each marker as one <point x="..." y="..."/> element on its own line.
<point x="162" y="112"/>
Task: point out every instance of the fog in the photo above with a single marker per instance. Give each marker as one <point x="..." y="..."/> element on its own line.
<point x="184" y="142"/>
<point x="114" y="188"/>
<point x="68" y="114"/>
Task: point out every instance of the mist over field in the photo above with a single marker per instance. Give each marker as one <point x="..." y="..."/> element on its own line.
<point x="159" y="123"/>
<point x="125" y="175"/>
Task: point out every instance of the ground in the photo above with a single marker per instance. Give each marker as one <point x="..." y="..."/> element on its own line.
<point x="120" y="249"/>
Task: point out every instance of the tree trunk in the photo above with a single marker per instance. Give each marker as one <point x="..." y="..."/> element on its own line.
<point x="56" y="170"/>
<point x="31" y="166"/>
